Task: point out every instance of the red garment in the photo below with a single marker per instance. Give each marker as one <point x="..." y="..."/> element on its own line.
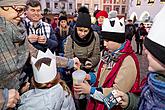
<point x="96" y="105"/>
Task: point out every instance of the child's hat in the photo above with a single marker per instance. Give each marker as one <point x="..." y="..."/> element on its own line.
<point x="46" y="73"/>
<point x="114" y="29"/>
<point x="155" y="41"/>
<point x="112" y="14"/>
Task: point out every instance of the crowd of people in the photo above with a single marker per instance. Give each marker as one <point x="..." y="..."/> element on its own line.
<point x="38" y="57"/>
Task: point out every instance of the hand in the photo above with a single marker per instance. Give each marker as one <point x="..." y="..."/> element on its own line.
<point x="82" y="88"/>
<point x="42" y="39"/>
<point x="32" y="38"/>
<point x="25" y="87"/>
<point x="13" y="98"/>
<point x="124" y="98"/>
<point x="88" y="65"/>
<point x="77" y="63"/>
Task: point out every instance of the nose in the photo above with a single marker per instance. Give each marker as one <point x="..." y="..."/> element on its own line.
<point x="105" y="43"/>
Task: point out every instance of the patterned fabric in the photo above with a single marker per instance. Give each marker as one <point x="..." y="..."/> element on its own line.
<point x="153" y="94"/>
<point x="127" y="50"/>
<point x="13" y="53"/>
<point x="42" y="29"/>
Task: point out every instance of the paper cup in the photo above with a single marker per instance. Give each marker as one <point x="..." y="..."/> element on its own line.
<point x="78" y="77"/>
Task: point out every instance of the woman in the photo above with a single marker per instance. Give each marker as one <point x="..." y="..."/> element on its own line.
<point x="62" y="31"/>
<point x="85" y="45"/>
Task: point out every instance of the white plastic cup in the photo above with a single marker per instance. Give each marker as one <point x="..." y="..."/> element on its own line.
<point x="78" y="77"/>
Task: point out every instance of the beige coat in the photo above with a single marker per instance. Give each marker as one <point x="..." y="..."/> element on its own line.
<point x="125" y="78"/>
<point x="89" y="53"/>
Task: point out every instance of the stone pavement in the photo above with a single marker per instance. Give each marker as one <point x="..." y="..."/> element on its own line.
<point x="142" y="60"/>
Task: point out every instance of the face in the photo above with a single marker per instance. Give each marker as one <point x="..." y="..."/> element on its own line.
<point x="63" y="23"/>
<point x="12" y="13"/>
<point x="111" y="45"/>
<point x="100" y="19"/>
<point x="82" y="31"/>
<point x="154" y="64"/>
<point x="34" y="13"/>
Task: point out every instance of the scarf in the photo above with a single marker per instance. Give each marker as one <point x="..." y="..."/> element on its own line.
<point x="153" y="94"/>
<point x="86" y="41"/>
<point x="126" y="50"/>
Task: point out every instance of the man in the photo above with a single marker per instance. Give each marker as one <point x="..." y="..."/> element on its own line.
<point x="13" y="51"/>
<point x="40" y="34"/>
<point x="130" y="30"/>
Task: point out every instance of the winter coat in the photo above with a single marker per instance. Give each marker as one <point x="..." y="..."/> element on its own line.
<point x="84" y="50"/>
<point x="130" y="31"/>
<point x="61" y="40"/>
<point x="152" y="96"/>
<point x="141" y="31"/>
<point x="113" y="73"/>
<point x="13" y="56"/>
<point x="54" y="98"/>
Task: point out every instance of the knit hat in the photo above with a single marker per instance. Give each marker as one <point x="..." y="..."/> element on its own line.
<point x="155" y="41"/>
<point x="83" y="9"/>
<point x="102" y="13"/>
<point x="113" y="29"/>
<point x="12" y="2"/>
<point x="62" y="18"/>
<point x="112" y="14"/>
<point x="83" y="20"/>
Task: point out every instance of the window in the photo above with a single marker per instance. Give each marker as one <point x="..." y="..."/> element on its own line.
<point x="106" y="0"/>
<point x="107" y="9"/>
<point x="96" y="6"/>
<point x="47" y="4"/>
<point x="117" y="8"/>
<point x="162" y="0"/>
<point x="123" y="1"/>
<point x="70" y="6"/>
<point x="150" y="1"/>
<point x="55" y="5"/>
<point x="138" y="2"/>
<point x="87" y="5"/>
<point x="123" y="10"/>
<point x="116" y="1"/>
<point x="78" y="5"/>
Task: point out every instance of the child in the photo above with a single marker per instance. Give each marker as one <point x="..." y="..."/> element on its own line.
<point x="118" y="68"/>
<point x="48" y="93"/>
<point x="153" y="93"/>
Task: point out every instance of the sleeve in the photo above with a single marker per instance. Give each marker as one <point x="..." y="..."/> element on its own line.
<point x="97" y="93"/>
<point x="95" y="57"/>
<point x="133" y="102"/>
<point x="18" y="33"/>
<point x="52" y="40"/>
<point x="3" y="98"/>
<point x="68" y="50"/>
<point x="64" y="62"/>
<point x="122" y="81"/>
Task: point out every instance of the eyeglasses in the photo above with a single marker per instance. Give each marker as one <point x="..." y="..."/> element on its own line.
<point x="19" y="10"/>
